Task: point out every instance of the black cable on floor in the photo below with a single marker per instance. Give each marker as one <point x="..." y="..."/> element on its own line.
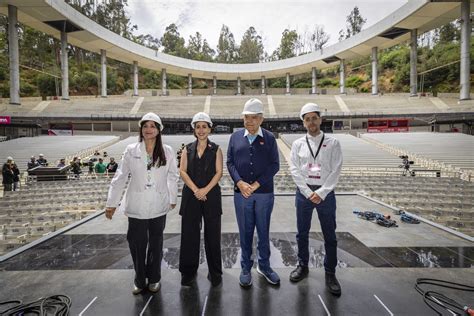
<point x="437" y="301"/>
<point x="57" y="305"/>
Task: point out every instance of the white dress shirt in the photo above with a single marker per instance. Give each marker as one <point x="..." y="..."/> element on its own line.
<point x="329" y="157"/>
<point x="148" y="195"/>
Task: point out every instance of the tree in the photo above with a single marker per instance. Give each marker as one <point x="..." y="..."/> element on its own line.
<point x="288" y="45"/>
<point x="226" y="50"/>
<point x="251" y="47"/>
<point x="172" y="42"/>
<point x="354" y="25"/>
<point x="448" y="33"/>
<point x="147" y="41"/>
<point x="199" y="49"/>
<point x="318" y="38"/>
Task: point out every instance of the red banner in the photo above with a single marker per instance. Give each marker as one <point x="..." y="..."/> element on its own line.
<point x="5" y="120"/>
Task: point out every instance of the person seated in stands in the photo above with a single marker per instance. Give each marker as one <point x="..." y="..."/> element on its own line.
<point x="16" y="176"/>
<point x="8" y="175"/>
<point x="100" y="167"/>
<point x="33" y="163"/>
<point x="76" y="166"/>
<point x="105" y="154"/>
<point x="90" y="164"/>
<point x="62" y="163"/>
<point x="42" y="161"/>
<point x="112" y="166"/>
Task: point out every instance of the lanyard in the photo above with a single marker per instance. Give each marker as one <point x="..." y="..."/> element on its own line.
<point x="149" y="165"/>
<point x="319" y="147"/>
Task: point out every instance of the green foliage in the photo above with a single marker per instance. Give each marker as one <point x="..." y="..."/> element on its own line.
<point x="354" y="24"/>
<point x="46" y="85"/>
<point x="151" y="79"/>
<point x="199" y="49"/>
<point x="327" y="82"/>
<point x="354" y="82"/>
<point x="395" y="57"/>
<point x="27" y="89"/>
<point x="5" y="89"/>
<point x="41" y="52"/>
<point x="288" y="45"/>
<point x="172" y="42"/>
<point x="251" y="47"/>
<point x="277" y="83"/>
<point x="303" y="85"/>
<point x="226" y="49"/>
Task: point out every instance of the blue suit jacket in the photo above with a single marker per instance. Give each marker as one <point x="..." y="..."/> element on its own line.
<point x="258" y="161"/>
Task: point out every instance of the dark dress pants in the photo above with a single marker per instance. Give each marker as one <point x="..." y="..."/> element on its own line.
<point x="191" y="223"/>
<point x="145" y="239"/>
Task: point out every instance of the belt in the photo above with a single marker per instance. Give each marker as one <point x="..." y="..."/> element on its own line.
<point x="313" y="187"/>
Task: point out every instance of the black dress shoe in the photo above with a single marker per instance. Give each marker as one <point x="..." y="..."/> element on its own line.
<point x="214" y="279"/>
<point x="187" y="279"/>
<point x="333" y="284"/>
<point x="299" y="273"/>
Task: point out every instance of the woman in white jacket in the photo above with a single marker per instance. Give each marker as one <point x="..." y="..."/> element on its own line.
<point x="152" y="192"/>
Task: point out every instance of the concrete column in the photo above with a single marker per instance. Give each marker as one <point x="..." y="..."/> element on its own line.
<point x="375" y="77"/>
<point x="13" y="55"/>
<point x="135" y="78"/>
<point x="238" y="86"/>
<point x="342" y="77"/>
<point x="164" y="88"/>
<point x="190" y="84"/>
<point x="287" y="84"/>
<point x="129" y="129"/>
<point x="413" y="61"/>
<point x="64" y="68"/>
<point x="214" y="85"/>
<point x="313" y="80"/>
<point x="103" y="76"/>
<point x="263" y="85"/>
<point x="465" y="46"/>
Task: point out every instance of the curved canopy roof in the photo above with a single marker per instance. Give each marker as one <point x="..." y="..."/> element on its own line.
<point x="51" y="16"/>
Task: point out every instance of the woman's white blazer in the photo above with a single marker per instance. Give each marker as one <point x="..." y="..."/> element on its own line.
<point x="140" y="201"/>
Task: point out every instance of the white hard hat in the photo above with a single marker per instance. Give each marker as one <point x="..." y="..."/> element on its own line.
<point x="308" y="108"/>
<point x="253" y="106"/>
<point x="151" y="117"/>
<point x="9" y="158"/>
<point x="201" y="117"/>
<point x="41" y="155"/>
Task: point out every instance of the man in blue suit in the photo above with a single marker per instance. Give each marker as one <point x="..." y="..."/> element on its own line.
<point x="252" y="161"/>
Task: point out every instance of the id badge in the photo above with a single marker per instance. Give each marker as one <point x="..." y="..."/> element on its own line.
<point x="150" y="184"/>
<point x="314" y="171"/>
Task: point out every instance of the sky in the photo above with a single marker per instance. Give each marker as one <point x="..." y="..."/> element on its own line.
<point x="270" y="18"/>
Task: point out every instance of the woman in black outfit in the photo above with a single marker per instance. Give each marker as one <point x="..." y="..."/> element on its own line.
<point x="201" y="170"/>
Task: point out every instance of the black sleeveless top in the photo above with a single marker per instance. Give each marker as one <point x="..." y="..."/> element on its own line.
<point x="201" y="171"/>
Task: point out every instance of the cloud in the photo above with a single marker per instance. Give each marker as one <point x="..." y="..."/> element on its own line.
<point x="270" y="18"/>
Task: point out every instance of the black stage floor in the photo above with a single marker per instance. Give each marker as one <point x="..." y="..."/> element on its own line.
<point x="377" y="269"/>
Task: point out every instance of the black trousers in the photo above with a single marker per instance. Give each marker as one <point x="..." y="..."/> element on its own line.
<point x="145" y="239"/>
<point x="191" y="222"/>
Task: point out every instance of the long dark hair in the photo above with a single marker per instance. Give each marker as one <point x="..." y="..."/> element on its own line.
<point x="159" y="157"/>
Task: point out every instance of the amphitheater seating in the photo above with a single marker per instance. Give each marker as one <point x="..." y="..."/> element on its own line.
<point x="173" y="106"/>
<point x="43" y="207"/>
<point x="224" y="106"/>
<point x="357" y="153"/>
<point x="53" y="147"/>
<point x="451" y="151"/>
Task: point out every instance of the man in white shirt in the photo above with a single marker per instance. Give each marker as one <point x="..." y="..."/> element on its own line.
<point x="316" y="162"/>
